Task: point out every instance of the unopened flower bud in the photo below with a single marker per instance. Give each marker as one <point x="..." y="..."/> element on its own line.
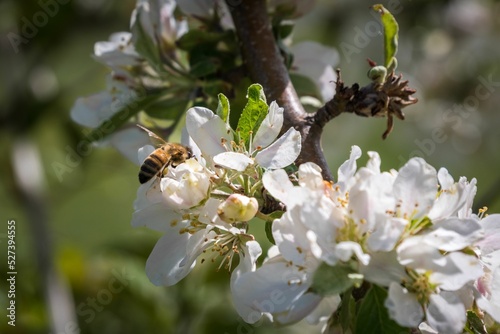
<point x="238" y="208"/>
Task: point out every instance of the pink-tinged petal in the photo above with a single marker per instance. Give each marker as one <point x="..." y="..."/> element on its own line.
<point x="233" y="160"/>
<point x="270" y="127"/>
<point x="491" y="240"/>
<point x="490" y="303"/>
<point x="415" y="188"/>
<point x="156" y="217"/>
<point x="208" y="130"/>
<point x="282" y="152"/>
<point x="446" y="313"/>
<point x="403" y="306"/>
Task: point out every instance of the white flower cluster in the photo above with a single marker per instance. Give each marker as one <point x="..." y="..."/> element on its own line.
<point x="204" y="204"/>
<point x="410" y="231"/>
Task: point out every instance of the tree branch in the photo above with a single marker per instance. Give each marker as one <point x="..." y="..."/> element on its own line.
<point x="265" y="66"/>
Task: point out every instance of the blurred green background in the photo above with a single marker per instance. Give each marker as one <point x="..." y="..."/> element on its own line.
<point x="72" y="231"/>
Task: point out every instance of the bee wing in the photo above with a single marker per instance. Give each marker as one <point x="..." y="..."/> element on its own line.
<point x="155" y="140"/>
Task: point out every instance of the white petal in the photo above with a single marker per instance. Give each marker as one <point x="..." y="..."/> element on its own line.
<point x="270" y="127"/>
<point x="446" y="313"/>
<point x="310" y="176"/>
<point x="347" y="169"/>
<point x="92" y="110"/>
<point x="233" y="160"/>
<point x="491" y="240"/>
<point x="163" y="265"/>
<point x="291" y="236"/>
<point x="156" y="217"/>
<point x="403" y="306"/>
<point x="144" y="152"/>
<point x="208" y="130"/>
<point x="416" y="187"/>
<point x="373" y="163"/>
<point x="453" y="234"/>
<point x="385" y="236"/>
<point x="282" y="152"/>
<point x="451" y="198"/>
<point x="457" y="270"/>
<point x="324" y="310"/>
<point x="346" y="249"/>
<point x="128" y="141"/>
<point x="278" y="185"/>
<point x="415" y="253"/>
<point x="276" y="288"/>
<point x="383" y="269"/>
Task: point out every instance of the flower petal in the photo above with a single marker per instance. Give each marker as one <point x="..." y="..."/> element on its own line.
<point x="282" y="152"/>
<point x="416" y="187"/>
<point x="270" y="127"/>
<point x="233" y="160"/>
<point x="208" y="130"/>
<point x="446" y="313"/>
<point x="403" y="306"/>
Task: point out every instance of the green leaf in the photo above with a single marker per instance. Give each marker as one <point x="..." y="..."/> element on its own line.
<point x="373" y="316"/>
<point x="329" y="280"/>
<point x="391" y="29"/>
<point x="223" y="107"/>
<point x="121" y="117"/>
<point x="475" y="324"/>
<point x="269" y="232"/>
<point x="254" y="112"/>
<point x="347" y="310"/>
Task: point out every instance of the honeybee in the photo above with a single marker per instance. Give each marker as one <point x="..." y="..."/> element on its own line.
<point x="167" y="154"/>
